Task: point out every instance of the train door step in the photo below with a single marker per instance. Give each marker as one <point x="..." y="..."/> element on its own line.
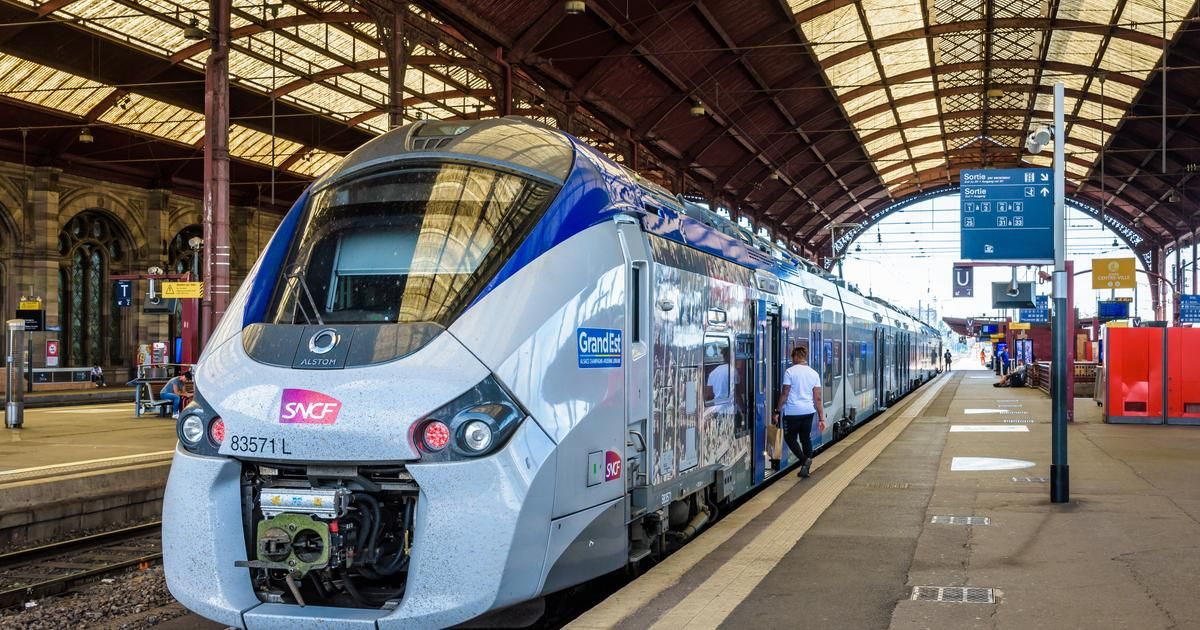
<point x="637" y="555"/>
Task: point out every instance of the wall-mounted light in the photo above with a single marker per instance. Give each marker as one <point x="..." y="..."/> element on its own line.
<point x="697" y="108"/>
<point x="1038" y="139"/>
<point x="575" y="7"/>
<point x="85" y="136"/>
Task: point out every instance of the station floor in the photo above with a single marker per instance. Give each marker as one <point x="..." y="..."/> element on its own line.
<point x="846" y="547"/>
<point x="54" y="436"/>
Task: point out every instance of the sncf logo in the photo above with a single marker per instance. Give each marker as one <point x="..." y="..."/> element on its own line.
<point x="612" y="466"/>
<point x="302" y="406"/>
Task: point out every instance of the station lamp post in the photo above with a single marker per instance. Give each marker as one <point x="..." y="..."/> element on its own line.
<point x="1059" y="471"/>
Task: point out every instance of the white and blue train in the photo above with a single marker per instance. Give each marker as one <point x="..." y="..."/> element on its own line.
<point x="479" y="363"/>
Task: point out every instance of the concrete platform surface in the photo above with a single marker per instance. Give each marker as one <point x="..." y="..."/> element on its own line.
<point x="61" y="435"/>
<point x="846" y="547"/>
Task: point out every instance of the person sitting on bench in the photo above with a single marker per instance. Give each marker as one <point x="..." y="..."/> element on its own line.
<point x="1015" y="378"/>
<point x="174" y="391"/>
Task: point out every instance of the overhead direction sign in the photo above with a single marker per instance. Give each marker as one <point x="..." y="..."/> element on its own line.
<point x="1007" y="215"/>
<point x="1114" y="273"/>
<point x="171" y="290"/>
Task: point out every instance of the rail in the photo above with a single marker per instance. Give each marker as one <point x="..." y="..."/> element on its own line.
<point x="56" y="567"/>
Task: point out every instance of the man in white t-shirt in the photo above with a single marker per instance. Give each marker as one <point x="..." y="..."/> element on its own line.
<point x="800" y="400"/>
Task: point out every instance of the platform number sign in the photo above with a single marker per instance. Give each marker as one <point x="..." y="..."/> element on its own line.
<point x="123" y="293"/>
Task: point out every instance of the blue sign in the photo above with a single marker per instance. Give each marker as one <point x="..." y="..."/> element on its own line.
<point x="1038" y="315"/>
<point x="123" y="292"/>
<point x="1189" y="309"/>
<point x="598" y="347"/>
<point x="1108" y="310"/>
<point x="1007" y="215"/>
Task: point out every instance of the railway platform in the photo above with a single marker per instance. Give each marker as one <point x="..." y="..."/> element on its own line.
<point x="81" y="468"/>
<point x="937" y="515"/>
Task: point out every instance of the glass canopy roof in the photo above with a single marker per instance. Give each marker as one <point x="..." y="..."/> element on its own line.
<point x="924" y="81"/>
<point x="320" y="55"/>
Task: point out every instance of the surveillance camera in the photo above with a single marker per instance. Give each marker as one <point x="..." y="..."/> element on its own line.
<point x="1038" y="139"/>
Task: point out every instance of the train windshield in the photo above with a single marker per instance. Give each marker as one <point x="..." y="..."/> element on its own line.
<point x="409" y="245"/>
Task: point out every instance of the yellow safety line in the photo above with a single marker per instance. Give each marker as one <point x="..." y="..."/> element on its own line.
<point x="711" y="603"/>
<point x="667" y="573"/>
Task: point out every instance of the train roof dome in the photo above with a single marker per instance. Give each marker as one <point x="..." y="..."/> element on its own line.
<point x="513" y="141"/>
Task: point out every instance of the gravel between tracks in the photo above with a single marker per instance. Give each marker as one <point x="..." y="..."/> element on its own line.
<point x="135" y="599"/>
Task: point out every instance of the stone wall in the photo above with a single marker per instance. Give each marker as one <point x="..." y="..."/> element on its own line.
<point x="36" y="204"/>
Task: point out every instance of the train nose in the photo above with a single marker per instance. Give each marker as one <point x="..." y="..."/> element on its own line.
<point x="369" y="413"/>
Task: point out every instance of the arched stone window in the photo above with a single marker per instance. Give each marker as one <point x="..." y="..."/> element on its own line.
<point x="91" y="247"/>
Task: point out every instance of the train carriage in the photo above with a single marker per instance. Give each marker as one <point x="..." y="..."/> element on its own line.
<point x="479" y="363"/>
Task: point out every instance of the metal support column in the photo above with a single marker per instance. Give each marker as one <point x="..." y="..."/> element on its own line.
<point x="1059" y="470"/>
<point x="397" y="52"/>
<point x="216" y="170"/>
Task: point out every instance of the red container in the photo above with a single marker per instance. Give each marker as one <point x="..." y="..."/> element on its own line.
<point x="1135" y="376"/>
<point x="1183" y="376"/>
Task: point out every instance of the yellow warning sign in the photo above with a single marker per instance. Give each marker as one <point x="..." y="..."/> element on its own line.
<point x="1018" y="326"/>
<point x="1113" y="273"/>
<point x="183" y="290"/>
<point x="29" y="305"/>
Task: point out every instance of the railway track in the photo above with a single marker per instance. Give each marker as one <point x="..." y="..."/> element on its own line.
<point x="57" y="567"/>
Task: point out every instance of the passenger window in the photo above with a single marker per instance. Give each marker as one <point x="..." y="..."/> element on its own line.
<point x="827" y="365"/>
<point x="743" y="396"/>
<point x="837" y="359"/>
<point x="717" y="375"/>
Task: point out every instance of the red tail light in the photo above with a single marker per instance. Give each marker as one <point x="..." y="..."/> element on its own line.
<point x="436" y="435"/>
<point x="216" y="431"/>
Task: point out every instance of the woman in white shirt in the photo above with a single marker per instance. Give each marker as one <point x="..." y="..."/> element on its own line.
<point x="800" y="400"/>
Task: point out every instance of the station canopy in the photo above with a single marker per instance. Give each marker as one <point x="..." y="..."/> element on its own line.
<point x="798" y="114"/>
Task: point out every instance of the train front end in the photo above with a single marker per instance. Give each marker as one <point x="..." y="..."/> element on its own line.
<point x="354" y="455"/>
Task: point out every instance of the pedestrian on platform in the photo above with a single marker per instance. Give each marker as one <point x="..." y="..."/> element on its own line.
<point x="948" y="357"/>
<point x="174" y="391"/>
<point x="983" y="357"/>
<point x="800" y="400"/>
<point x="1002" y="357"/>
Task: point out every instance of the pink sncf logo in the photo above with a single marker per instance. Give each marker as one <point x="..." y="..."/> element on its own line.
<point x="302" y="406"/>
<point x="612" y="466"/>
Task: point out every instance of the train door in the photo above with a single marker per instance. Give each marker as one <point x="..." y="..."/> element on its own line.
<point x="880" y="369"/>
<point x="639" y="290"/>
<point x="767" y="378"/>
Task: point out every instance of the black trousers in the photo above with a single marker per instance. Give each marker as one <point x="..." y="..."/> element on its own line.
<point x="797" y="432"/>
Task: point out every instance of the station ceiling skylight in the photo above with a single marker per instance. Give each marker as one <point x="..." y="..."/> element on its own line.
<point x="929" y="85"/>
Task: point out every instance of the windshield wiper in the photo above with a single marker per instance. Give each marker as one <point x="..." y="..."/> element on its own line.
<point x="296" y="274"/>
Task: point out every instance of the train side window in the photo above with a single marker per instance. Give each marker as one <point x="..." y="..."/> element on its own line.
<point x="827" y="365"/>
<point x="743" y="385"/>
<point x="837" y="359"/>
<point x="717" y="375"/>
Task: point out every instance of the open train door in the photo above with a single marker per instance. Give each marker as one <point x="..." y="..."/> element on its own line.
<point x="767" y="377"/>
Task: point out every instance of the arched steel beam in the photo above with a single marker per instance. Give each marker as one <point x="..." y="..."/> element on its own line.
<point x="333" y="17"/>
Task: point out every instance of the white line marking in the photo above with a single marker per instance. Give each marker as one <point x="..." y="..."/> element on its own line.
<point x="987" y="428"/>
<point x="976" y="464"/>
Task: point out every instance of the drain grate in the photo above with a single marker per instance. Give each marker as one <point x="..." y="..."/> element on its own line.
<point x="960" y="520"/>
<point x="953" y="594"/>
<point x="1031" y="480"/>
<point x="888" y="486"/>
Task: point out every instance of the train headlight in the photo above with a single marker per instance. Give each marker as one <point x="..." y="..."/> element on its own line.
<point x="475" y="424"/>
<point x="191" y="429"/>
<point x="476" y="436"/>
